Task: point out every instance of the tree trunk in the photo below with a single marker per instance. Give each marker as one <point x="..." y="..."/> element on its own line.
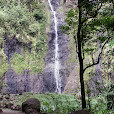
<point x="81" y="77"/>
<point x="82" y="85"/>
<point x="80" y="57"/>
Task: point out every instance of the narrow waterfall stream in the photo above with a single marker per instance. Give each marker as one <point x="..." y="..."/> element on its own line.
<point x="56" y="63"/>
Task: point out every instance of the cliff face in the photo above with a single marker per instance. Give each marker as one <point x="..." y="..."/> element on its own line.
<point x="19" y="82"/>
<point x="25" y="82"/>
<point x="49" y="79"/>
<point x="38" y="82"/>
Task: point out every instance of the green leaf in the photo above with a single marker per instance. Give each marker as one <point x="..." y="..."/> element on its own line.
<point x="71" y="13"/>
<point x="89" y="49"/>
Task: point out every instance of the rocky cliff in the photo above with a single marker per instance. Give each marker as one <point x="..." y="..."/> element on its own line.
<point x="49" y="80"/>
<point x="38" y="82"/>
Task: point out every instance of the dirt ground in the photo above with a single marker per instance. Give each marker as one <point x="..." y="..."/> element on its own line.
<point x="6" y="111"/>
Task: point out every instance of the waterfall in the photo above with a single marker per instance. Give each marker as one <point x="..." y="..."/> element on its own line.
<point x="56" y="61"/>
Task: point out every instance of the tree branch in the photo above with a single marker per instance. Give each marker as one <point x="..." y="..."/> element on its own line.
<point x="92" y="58"/>
<point x="96" y="12"/>
<point x="99" y="57"/>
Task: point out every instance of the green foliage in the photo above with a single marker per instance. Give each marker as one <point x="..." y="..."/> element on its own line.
<point x="54" y="103"/>
<point x="88" y="49"/>
<point x="102" y="25"/>
<point x="19" y="63"/>
<point x="34" y="29"/>
<point x="108" y="22"/>
<point x="30" y="61"/>
<point x="71" y="20"/>
<point x="71" y="13"/>
<point x="26" y="21"/>
<point x="16" y="19"/>
<point x="94" y="31"/>
<point x="99" y="103"/>
<point x="72" y="49"/>
<point x="38" y="15"/>
<point x="98" y="30"/>
<point x="3" y="63"/>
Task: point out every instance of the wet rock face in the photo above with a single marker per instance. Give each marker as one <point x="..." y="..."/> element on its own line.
<point x="51" y="49"/>
<point x="49" y="81"/>
<point x="11" y="46"/>
<point x="25" y="82"/>
<point x="11" y="82"/>
<point x="55" y="4"/>
<point x="48" y="74"/>
<point x="48" y="78"/>
<point x="19" y="83"/>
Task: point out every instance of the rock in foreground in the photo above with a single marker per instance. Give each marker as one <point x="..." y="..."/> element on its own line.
<point x="31" y="105"/>
<point x="1" y="111"/>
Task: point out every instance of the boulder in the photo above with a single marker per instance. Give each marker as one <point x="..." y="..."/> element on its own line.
<point x="31" y="105"/>
<point x="1" y="111"/>
<point x="80" y="112"/>
<point x="31" y="111"/>
<point x="7" y="96"/>
<point x="9" y="105"/>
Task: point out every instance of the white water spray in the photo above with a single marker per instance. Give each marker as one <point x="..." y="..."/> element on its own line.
<point x="57" y="63"/>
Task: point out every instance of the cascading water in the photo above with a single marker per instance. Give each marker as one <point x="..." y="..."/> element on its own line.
<point x="57" y="63"/>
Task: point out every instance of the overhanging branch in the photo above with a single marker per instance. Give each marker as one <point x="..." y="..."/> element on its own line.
<point x="95" y="14"/>
<point x="98" y="58"/>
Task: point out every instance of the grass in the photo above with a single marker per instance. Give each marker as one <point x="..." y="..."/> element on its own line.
<point x="52" y="103"/>
<point x="99" y="105"/>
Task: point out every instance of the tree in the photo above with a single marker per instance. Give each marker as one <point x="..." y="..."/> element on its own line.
<point x="88" y="23"/>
